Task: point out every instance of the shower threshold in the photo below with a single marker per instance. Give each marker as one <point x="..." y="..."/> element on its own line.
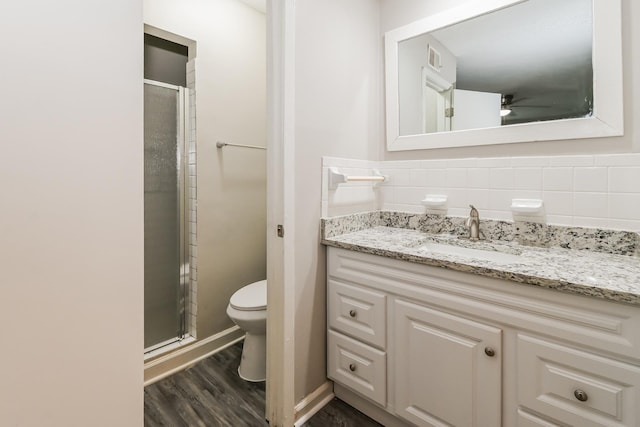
<point x="167" y="346"/>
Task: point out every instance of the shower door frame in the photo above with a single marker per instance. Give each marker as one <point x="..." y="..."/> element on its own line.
<point x="183" y="188"/>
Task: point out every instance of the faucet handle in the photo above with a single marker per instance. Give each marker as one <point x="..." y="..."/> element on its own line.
<point x="474" y="212"/>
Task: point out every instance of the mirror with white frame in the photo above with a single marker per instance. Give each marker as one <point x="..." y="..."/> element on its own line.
<point x="503" y="71"/>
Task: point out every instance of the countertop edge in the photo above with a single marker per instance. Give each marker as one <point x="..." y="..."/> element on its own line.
<point x="541" y="282"/>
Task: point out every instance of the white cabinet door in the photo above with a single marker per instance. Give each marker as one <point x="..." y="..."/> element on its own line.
<point x="447" y="368"/>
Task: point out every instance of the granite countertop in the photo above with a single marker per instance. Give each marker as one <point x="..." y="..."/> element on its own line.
<point x="602" y="275"/>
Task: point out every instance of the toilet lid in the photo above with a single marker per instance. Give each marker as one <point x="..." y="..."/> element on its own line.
<point x="251" y="297"/>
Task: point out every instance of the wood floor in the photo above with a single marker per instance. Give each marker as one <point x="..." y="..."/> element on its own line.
<point x="211" y="394"/>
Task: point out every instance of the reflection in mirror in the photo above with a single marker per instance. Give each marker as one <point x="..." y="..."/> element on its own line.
<point x="504" y="71"/>
<point x="525" y="63"/>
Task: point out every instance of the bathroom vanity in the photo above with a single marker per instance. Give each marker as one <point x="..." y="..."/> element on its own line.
<point x="422" y="334"/>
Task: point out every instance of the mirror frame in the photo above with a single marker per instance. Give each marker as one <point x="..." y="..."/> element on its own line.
<point x="607" y="118"/>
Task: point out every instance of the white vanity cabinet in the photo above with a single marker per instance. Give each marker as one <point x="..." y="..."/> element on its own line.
<point x="411" y="344"/>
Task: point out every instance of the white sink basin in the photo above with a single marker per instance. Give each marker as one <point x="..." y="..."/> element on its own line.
<point x="479" y="254"/>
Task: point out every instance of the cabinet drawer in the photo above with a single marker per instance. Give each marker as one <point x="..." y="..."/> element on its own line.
<point x="357" y="366"/>
<point x="576" y="387"/>
<point x="358" y="312"/>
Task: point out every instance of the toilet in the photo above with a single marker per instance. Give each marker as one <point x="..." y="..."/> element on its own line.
<point x="248" y="309"/>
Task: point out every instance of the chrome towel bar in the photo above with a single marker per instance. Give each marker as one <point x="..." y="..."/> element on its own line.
<point x="221" y="144"/>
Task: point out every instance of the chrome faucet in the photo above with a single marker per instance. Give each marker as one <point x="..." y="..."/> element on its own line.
<point x="473" y="222"/>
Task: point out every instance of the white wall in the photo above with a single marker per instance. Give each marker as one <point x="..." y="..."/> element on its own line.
<point x="230" y="106"/>
<point x="71" y="223"/>
<point x="337" y="112"/>
<point x="400" y="12"/>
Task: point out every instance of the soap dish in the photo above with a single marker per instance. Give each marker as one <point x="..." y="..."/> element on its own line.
<point x="529" y="207"/>
<point x="435" y="201"/>
<point x="528" y="210"/>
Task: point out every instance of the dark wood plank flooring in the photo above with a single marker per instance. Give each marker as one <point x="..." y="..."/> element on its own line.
<point x="339" y="414"/>
<point x="211" y="394"/>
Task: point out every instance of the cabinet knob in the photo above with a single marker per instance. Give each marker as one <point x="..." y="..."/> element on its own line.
<point x="353" y="313"/>
<point x="352" y="367"/>
<point x="489" y="351"/>
<point x="581" y="395"/>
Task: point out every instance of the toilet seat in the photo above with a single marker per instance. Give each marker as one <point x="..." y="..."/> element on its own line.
<point x="252" y="297"/>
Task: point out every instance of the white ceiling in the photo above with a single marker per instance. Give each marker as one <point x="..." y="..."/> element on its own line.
<point x="531" y="50"/>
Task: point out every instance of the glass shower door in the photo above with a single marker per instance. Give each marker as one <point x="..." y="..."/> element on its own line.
<point x="165" y="258"/>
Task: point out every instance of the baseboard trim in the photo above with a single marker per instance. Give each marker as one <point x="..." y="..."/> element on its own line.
<point x="184" y="357"/>
<point x="313" y="402"/>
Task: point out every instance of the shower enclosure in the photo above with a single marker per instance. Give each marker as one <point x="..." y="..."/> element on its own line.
<point x="166" y="206"/>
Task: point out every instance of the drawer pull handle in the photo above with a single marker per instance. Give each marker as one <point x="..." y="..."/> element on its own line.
<point x="489" y="352"/>
<point x="581" y="395"/>
<point x="353" y="313"/>
<point x="352" y="367"/>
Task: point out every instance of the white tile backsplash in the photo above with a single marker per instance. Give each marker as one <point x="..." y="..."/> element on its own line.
<point x="624" y="224"/>
<point x="432" y="164"/>
<point x="401" y="177"/>
<point x="557" y="179"/>
<point x="478" y="177"/>
<point x="527" y="162"/>
<point x="590" y="179"/>
<point x="387" y="195"/>
<point x="592" y="205"/>
<point x="479" y="197"/>
<point x="462" y="163"/>
<point x="498" y="215"/>
<point x="527" y="178"/>
<point x="590" y="190"/>
<point x="571" y="161"/>
<point x="588" y="222"/>
<point x="408" y="195"/>
<point x="558" y="203"/>
<point x="456" y="178"/>
<point x="618" y="160"/>
<point x="418" y="177"/>
<point x="403" y="164"/>
<point x="527" y="194"/>
<point x="624" y="206"/>
<point x="436" y="177"/>
<point x="500" y="200"/>
<point x="501" y="178"/>
<point x="458" y="198"/>
<point x="494" y="162"/>
<point x="624" y="179"/>
<point x="560" y="219"/>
